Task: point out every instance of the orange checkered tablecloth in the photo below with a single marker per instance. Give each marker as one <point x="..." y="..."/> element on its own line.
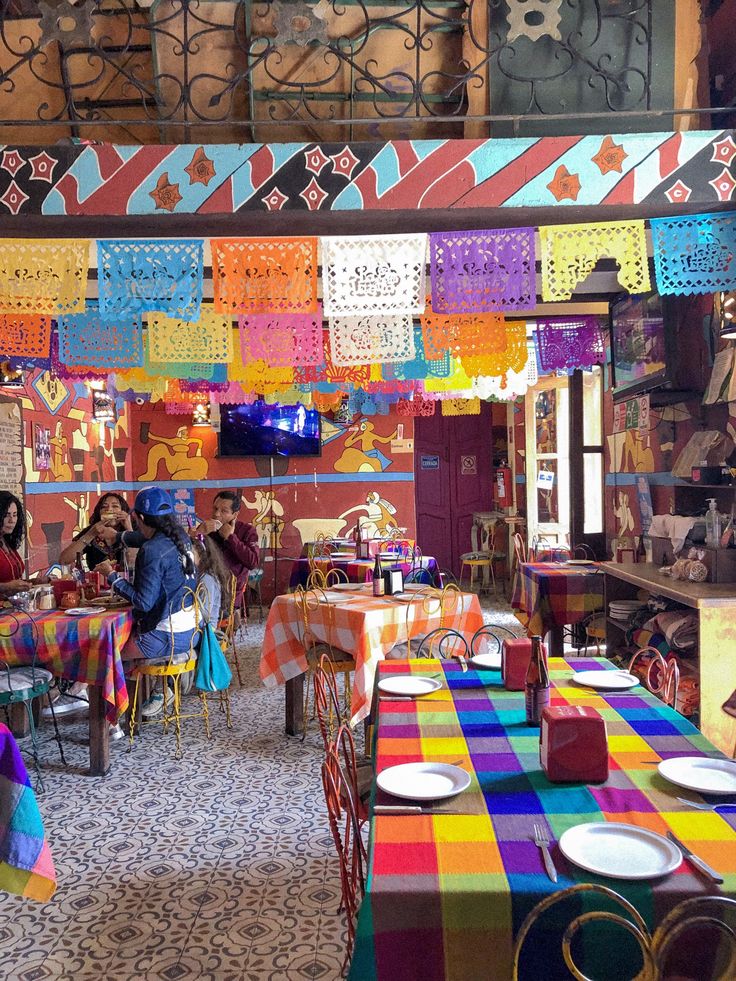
<point x="364" y="626"/>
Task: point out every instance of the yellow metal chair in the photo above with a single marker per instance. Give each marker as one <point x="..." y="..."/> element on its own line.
<point x="307" y="603"/>
<point x="173" y="670"/>
<point x="226" y="628"/>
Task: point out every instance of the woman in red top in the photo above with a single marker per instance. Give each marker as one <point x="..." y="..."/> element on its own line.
<point x="12" y="530"/>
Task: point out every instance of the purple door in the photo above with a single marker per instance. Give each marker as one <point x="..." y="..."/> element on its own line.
<point x="453" y="479"/>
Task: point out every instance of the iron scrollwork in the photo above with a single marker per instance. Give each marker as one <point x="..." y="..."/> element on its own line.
<point x="210" y="69"/>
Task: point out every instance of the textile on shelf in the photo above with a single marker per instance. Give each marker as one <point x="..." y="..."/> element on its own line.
<point x="209" y="340"/>
<point x="571" y="342"/>
<point x="377" y="275"/>
<point x="695" y="253"/>
<point x="263" y="275"/>
<point x="570" y="253"/>
<point x="48" y="277"/>
<point x="483" y="271"/>
<point x="282" y="339"/>
<point x="417" y="406"/>
<point x="89" y="339"/>
<point x="371" y="340"/>
<point x="461" y="407"/>
<point x="512" y="358"/>
<point x="158" y="276"/>
<point x="25" y="335"/>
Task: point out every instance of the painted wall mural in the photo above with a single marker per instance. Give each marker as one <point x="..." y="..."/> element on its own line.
<point x="694" y="167"/>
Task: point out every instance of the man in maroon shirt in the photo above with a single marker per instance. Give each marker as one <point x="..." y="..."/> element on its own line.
<point x="237" y="540"/>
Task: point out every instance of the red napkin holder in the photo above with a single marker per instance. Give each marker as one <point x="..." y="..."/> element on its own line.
<point x="573" y="745"/>
<point x="61" y="586"/>
<point x="515" y="657"/>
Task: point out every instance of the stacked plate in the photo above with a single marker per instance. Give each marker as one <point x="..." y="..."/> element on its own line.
<point x="623" y="610"/>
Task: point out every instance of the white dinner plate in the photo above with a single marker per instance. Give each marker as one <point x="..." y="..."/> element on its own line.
<point x="579" y="561"/>
<point x="625" y="604"/>
<point x="416" y="587"/>
<point x="403" y="597"/>
<point x="81" y="611"/>
<point x="342" y="555"/>
<point x="605" y="679"/>
<point x="348" y="587"/>
<point x="423" y="781"/>
<point x="700" y="773"/>
<point x="621" y="851"/>
<point x="488" y="662"/>
<point x="331" y="596"/>
<point x="408" y="684"/>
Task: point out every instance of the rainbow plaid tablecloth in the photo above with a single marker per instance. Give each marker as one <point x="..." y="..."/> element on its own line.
<point x="83" y="649"/>
<point x="26" y="866"/>
<point x="551" y="594"/>
<point x="364" y="626"/>
<point x="446" y="894"/>
<point x="359" y="570"/>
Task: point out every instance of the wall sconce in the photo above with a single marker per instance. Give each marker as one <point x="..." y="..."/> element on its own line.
<point x="727" y="315"/>
<point x="201" y="414"/>
<point x="10" y="377"/>
<point x="103" y="404"/>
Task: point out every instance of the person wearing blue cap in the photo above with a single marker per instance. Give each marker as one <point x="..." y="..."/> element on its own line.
<point x="164" y="582"/>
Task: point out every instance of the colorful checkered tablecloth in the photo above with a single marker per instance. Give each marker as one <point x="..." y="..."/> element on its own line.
<point x="364" y="626"/>
<point x="85" y="648"/>
<point x="551" y="594"/>
<point x="359" y="570"/>
<point x="446" y="894"/>
<point x="26" y="866"/>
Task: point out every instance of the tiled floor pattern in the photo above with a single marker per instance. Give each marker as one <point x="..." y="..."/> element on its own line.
<point x="218" y="866"/>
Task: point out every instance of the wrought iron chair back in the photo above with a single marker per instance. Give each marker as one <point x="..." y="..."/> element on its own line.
<point x="489" y="639"/>
<point x="326" y="700"/>
<point x="666" y="684"/>
<point x="680" y="922"/>
<point x="519" y="547"/>
<point x="431" y="600"/>
<point x="583" y="551"/>
<point x="444" y="643"/>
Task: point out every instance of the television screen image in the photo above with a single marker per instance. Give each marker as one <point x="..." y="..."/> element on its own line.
<point x="269" y="430"/>
<point x="638" y="341"/>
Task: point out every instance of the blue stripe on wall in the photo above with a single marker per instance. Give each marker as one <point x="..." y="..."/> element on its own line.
<point x="662" y="478"/>
<point x="288" y="481"/>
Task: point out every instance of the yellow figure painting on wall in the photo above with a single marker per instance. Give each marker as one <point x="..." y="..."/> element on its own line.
<point x="361" y="453"/>
<point x="174" y="453"/>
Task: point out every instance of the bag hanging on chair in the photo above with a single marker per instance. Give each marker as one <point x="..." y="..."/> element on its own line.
<point x="212" y="672"/>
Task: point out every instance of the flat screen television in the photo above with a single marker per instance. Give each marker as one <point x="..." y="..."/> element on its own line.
<point x="641" y="344"/>
<point x="261" y="429"/>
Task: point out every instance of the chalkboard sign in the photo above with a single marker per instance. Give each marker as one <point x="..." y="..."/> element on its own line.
<point x="11" y="447"/>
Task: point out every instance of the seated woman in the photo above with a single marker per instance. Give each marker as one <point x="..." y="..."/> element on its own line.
<point x="214" y="581"/>
<point x="12" y="533"/>
<point x="162" y="595"/>
<point x="111" y="511"/>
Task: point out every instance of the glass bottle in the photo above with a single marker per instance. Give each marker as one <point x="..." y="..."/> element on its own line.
<point x="379" y="587"/>
<point x="537" y="683"/>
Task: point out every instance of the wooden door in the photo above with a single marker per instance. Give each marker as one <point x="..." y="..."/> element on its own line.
<point x="453" y="479"/>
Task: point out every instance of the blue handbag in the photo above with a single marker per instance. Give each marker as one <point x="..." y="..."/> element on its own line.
<point x="212" y="672"/>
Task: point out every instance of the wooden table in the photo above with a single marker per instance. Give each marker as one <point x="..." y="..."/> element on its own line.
<point x="359" y="623"/>
<point x="447" y="893"/>
<point x="85" y="649"/>
<point x="549" y="595"/>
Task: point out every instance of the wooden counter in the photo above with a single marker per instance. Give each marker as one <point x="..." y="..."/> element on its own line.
<point x="715" y="604"/>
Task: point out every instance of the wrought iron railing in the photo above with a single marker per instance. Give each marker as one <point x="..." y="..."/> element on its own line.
<point x="273" y="70"/>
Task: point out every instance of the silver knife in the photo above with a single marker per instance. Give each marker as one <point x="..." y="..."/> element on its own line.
<point x="412" y="809"/>
<point x="695" y="861"/>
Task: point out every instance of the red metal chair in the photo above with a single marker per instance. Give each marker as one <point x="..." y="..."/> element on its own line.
<point x="663" y="682"/>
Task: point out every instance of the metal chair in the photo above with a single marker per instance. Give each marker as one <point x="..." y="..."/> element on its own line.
<point x="633" y="923"/>
<point x="20" y="685"/>
<point x="173" y="670"/>
<point x="667" y="683"/>
<point x="489" y="639"/>
<point x="253" y="585"/>
<point x="689" y="917"/>
<point x="443" y="643"/>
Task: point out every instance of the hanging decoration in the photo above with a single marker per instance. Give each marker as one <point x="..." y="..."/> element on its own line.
<point x="43" y="277"/>
<point x="512" y="358"/>
<point x="456" y="381"/>
<point x="262" y="275"/>
<point x="137" y="380"/>
<point x="327" y="401"/>
<point x="417" y="406"/>
<point x="282" y="339"/>
<point x="371" y="340"/>
<point x="259" y="376"/>
<point x="72" y="371"/>
<point x="570" y="252"/>
<point x="234" y="394"/>
<point x="209" y="340"/>
<point x="532" y="375"/>
<point x="695" y="253"/>
<point x="87" y="338"/>
<point x="470" y="333"/>
<point x="158" y="276"/>
<point x="575" y="342"/>
<point x="328" y="371"/>
<point x="25" y="335"/>
<point x="482" y="271"/>
<point x="461" y="407"/>
<point x="374" y="275"/>
<point x="419" y="367"/>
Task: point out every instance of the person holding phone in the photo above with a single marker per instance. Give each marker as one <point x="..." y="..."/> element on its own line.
<point x="236" y="540"/>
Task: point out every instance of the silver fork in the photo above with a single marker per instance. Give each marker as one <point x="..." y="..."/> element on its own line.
<point x="702" y="806"/>
<point x="541" y="840"/>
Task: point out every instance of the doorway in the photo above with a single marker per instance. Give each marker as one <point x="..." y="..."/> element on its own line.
<point x="453" y="479"/>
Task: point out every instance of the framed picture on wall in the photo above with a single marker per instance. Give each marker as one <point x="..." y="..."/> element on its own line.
<point x="41" y="447"/>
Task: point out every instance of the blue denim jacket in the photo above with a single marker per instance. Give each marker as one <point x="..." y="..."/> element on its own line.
<point x="161" y="586"/>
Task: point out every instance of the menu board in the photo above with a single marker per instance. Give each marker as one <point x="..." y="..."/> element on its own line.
<point x="11" y="447"/>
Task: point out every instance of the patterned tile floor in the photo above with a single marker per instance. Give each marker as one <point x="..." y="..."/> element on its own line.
<point x="218" y="866"/>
